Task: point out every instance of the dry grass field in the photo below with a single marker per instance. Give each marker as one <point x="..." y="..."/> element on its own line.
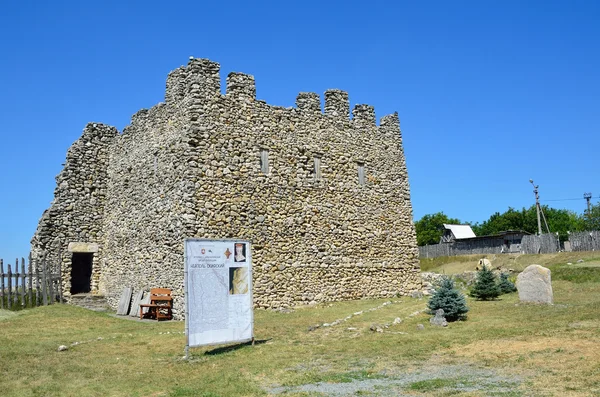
<point x="503" y="349"/>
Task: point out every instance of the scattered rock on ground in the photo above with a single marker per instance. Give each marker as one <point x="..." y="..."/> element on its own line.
<point x="62" y="348"/>
<point x="438" y="320"/>
<point x="484" y="263"/>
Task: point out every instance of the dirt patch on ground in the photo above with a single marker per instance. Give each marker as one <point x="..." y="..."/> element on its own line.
<point x="436" y="377"/>
<point x="558" y="366"/>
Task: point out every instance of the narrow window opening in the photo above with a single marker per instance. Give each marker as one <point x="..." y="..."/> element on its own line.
<point x="317" y="170"/>
<point x="361" y="173"/>
<point x="264" y="161"/>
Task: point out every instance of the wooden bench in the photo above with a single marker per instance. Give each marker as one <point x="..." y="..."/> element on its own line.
<point x="160" y="306"/>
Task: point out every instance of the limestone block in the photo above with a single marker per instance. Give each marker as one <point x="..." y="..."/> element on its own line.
<point x="534" y="285"/>
<point x="82" y="247"/>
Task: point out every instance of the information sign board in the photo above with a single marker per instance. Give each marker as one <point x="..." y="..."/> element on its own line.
<point x="218" y="292"/>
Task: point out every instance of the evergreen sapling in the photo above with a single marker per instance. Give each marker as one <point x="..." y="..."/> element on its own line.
<point x="447" y="297"/>
<point x="485" y="287"/>
<point x="506" y="286"/>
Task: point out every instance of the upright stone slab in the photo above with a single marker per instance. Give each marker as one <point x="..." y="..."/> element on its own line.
<point x="135" y="304"/>
<point x="534" y="285"/>
<point x="124" y="302"/>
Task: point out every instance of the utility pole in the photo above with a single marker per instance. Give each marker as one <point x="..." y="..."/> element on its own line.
<point x="537" y="206"/>
<point x="587" y="197"/>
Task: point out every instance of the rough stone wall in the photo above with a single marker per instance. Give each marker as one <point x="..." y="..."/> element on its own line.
<point x="76" y="213"/>
<point x="313" y="240"/>
<point x="191" y="167"/>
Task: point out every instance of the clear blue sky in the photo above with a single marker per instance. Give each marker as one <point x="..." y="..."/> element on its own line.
<point x="490" y="93"/>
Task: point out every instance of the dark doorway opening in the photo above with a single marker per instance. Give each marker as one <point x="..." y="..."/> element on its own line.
<point x="81" y="272"/>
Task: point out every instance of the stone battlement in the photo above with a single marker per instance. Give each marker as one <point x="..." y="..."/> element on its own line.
<point x="200" y="79"/>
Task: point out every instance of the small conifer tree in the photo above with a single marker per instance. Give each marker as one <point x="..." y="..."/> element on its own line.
<point x="505" y="285"/>
<point x="447" y="297"/>
<point x="485" y="287"/>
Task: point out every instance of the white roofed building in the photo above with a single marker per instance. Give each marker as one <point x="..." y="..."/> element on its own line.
<point x="456" y="232"/>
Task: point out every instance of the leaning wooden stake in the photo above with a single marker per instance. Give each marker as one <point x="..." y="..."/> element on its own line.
<point x="1" y="284"/>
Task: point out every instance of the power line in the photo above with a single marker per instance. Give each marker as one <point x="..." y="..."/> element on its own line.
<point x="569" y="199"/>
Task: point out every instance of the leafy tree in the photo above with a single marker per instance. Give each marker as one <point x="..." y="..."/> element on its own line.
<point x="591" y="219"/>
<point x="447" y="297"/>
<point x="485" y="287"/>
<point x="505" y="285"/>
<point x="430" y="227"/>
<point x="559" y="220"/>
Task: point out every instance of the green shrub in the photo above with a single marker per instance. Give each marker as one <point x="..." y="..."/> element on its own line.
<point x="505" y="285"/>
<point x="485" y="287"/>
<point x="447" y="297"/>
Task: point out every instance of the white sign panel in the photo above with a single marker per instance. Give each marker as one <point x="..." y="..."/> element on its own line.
<point x="218" y="291"/>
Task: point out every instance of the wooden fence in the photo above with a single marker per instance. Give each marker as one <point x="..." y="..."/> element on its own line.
<point x="544" y="244"/>
<point x="584" y="241"/>
<point x="29" y="288"/>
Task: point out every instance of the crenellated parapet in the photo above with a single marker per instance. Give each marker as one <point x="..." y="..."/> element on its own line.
<point x="337" y="104"/>
<point x="309" y="102"/>
<point x="364" y="114"/>
<point x="176" y="85"/>
<point x="202" y="78"/>
<point x="390" y="124"/>
<point x="241" y="86"/>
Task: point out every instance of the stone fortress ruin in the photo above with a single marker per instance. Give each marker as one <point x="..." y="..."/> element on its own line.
<point x="324" y="198"/>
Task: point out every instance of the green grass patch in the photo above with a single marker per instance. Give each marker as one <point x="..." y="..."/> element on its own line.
<point x="575" y="274"/>
<point x="347" y="377"/>
<point x="430" y="385"/>
<point x="110" y="356"/>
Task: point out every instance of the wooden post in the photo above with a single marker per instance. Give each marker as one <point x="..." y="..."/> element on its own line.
<point x="9" y="288"/>
<point x="23" y="282"/>
<point x="30" y="292"/>
<point x="16" y="276"/>
<point x="1" y="284"/>
<point x="60" y="283"/>
<point x="44" y="283"/>
<point x="51" y="297"/>
<point x="37" y="284"/>
<point x="59" y="274"/>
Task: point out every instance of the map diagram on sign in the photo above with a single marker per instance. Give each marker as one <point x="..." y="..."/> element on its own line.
<point x="209" y="294"/>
